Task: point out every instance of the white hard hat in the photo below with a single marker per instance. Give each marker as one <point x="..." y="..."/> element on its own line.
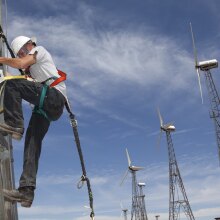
<point x="19" y="42"/>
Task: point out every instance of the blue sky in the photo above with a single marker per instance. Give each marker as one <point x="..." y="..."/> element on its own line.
<point x="124" y="59"/>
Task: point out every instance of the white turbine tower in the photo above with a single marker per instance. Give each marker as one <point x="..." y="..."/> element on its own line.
<point x="214" y="99"/>
<point x="124" y="211"/>
<point x="142" y="202"/>
<point x="136" y="206"/>
<point x="157" y="217"/>
<point x="177" y="194"/>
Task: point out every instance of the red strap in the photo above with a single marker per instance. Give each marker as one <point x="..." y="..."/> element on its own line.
<point x="60" y="79"/>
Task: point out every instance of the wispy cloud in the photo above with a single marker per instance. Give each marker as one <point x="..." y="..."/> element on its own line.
<point x="111" y="58"/>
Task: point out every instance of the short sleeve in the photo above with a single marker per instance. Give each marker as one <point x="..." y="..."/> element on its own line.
<point x="39" y="51"/>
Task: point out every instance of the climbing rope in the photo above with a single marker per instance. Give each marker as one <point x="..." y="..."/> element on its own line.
<point x="84" y="178"/>
<point x="2" y="35"/>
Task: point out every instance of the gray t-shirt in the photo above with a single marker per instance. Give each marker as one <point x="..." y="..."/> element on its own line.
<point x="44" y="68"/>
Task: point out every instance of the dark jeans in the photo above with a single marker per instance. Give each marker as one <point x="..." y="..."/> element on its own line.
<point x="15" y="91"/>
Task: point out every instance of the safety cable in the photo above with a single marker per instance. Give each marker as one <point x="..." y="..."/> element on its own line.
<point x="6" y="21"/>
<point x="84" y="178"/>
<point x="2" y="35"/>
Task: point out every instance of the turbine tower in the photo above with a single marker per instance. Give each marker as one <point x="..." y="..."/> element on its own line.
<point x="177" y="194"/>
<point x="124" y="211"/>
<point x="157" y="217"/>
<point x="142" y="202"/>
<point x="8" y="210"/>
<point x="214" y="99"/>
<point x="136" y="208"/>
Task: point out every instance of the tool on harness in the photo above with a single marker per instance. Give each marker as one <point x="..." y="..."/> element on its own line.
<point x="84" y="178"/>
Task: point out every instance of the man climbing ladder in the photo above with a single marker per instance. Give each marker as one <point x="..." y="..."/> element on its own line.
<point x="47" y="92"/>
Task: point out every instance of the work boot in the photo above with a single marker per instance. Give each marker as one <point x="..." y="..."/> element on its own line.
<point x="16" y="133"/>
<point x="24" y="195"/>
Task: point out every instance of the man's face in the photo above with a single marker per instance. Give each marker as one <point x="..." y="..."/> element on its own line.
<point x="25" y="50"/>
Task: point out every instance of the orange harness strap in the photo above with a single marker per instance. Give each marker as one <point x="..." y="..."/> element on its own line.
<point x="60" y="79"/>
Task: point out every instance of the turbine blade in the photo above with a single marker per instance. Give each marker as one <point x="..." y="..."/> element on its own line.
<point x="159" y="139"/>
<point x="128" y="157"/>
<point x="200" y="87"/>
<point x="121" y="210"/>
<point x="121" y="205"/>
<point x="125" y="175"/>
<point x="160" y="117"/>
<point x="194" y="47"/>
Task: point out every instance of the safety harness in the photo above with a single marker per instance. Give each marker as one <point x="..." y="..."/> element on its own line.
<point x="39" y="109"/>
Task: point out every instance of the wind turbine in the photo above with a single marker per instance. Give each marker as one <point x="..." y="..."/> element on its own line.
<point x="124" y="211"/>
<point x="157" y="217"/>
<point x="176" y="187"/>
<point x="136" y="206"/>
<point x="214" y="99"/>
<point x="142" y="202"/>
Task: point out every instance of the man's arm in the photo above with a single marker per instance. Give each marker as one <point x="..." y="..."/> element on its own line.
<point x="19" y="63"/>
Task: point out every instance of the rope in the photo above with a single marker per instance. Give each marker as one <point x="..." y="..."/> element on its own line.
<point x="2" y="35"/>
<point x="84" y="178"/>
<point x="6" y="22"/>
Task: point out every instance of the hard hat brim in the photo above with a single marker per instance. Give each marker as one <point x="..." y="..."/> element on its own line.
<point x="34" y="39"/>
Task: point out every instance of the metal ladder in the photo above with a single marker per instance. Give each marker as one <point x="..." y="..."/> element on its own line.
<point x="8" y="210"/>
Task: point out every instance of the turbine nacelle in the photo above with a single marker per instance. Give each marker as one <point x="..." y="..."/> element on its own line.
<point x="157" y="217"/>
<point x="207" y="64"/>
<point x="141" y="184"/>
<point x="168" y="127"/>
<point x="135" y="168"/>
<point x="201" y="65"/>
<point x="122" y="208"/>
<point x="131" y="168"/>
<point x="165" y="127"/>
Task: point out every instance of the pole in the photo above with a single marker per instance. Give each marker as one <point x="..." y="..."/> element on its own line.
<point x="8" y="210"/>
